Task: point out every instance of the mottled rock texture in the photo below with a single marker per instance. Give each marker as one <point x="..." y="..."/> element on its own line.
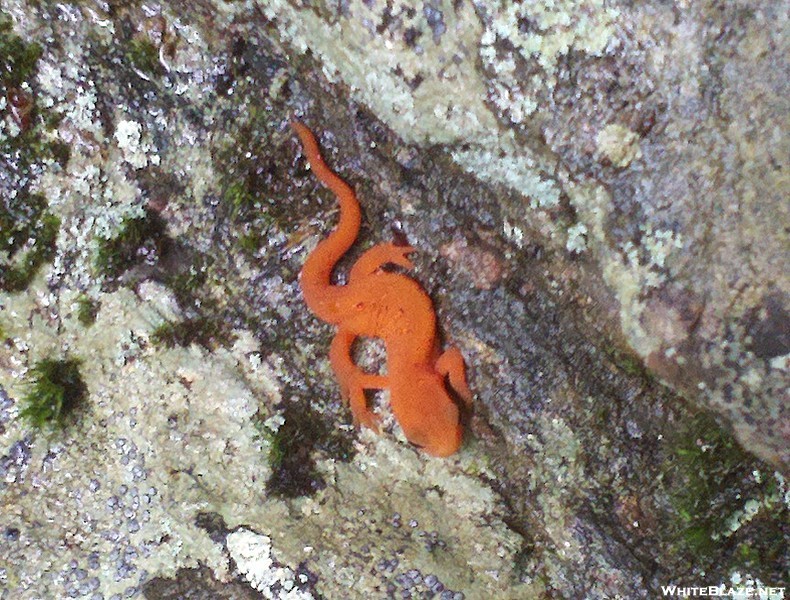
<point x="596" y="193"/>
<point x="659" y="129"/>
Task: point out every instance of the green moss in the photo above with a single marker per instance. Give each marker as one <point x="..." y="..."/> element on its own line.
<point x="705" y="482"/>
<point x="17" y="57"/>
<point x="293" y="446"/>
<point x="765" y="550"/>
<point x="144" y="55"/>
<point x="748" y="554"/>
<point x="246" y="207"/>
<point x="188" y="284"/>
<point x="116" y="255"/>
<point x="628" y="362"/>
<point x="60" y="151"/>
<point x="632" y="366"/>
<point x="277" y="450"/>
<point x="706" y="458"/>
<point x="27" y="235"/>
<point x="87" y="309"/>
<point x="55" y="390"/>
<point x="251" y="242"/>
<point x="27" y="231"/>
<point x="30" y="148"/>
<point x="205" y="331"/>
<point x="239" y="198"/>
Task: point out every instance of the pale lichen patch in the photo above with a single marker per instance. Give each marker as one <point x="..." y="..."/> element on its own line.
<point x="137" y="152"/>
<point x="577" y="238"/>
<point x="523" y="43"/>
<point x="253" y="555"/>
<point x="619" y="144"/>
<point x="382" y="64"/>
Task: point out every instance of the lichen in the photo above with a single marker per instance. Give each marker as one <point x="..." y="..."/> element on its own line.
<point x="618" y="144"/>
<point x="523" y="44"/>
<point x="252" y="553"/>
<point x="55" y="390"/>
<point x="136" y="151"/>
<point x="577" y="238"/>
<point x="518" y="169"/>
<point x="431" y="90"/>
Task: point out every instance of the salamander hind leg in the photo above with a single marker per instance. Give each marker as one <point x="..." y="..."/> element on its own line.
<point x="353" y="381"/>
<point x="378" y="256"/>
<point x="451" y="364"/>
<point x="363" y="416"/>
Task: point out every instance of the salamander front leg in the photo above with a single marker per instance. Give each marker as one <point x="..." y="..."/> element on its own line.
<point x="451" y="364"/>
<point x="378" y="256"/>
<point x="353" y="381"/>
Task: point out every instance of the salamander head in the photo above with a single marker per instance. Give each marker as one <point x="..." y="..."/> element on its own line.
<point x="429" y="417"/>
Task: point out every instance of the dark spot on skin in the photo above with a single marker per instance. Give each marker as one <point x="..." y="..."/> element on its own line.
<point x="399" y="237"/>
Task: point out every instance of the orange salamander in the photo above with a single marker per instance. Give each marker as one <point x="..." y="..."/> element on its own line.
<point x="386" y="305"/>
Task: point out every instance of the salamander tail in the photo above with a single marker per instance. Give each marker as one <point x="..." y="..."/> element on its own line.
<point x="316" y="274"/>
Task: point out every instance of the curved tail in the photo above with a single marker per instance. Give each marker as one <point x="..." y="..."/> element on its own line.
<point x="315" y="278"/>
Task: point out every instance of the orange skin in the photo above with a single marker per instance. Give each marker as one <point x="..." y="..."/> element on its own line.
<point x="390" y="306"/>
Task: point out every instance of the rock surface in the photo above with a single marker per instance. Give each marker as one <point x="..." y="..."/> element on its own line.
<point x="596" y="194"/>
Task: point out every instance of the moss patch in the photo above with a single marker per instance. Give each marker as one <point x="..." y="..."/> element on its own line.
<point x="205" y="331"/>
<point x="27" y="230"/>
<point x="247" y="206"/>
<point x="55" y="390"/>
<point x="251" y="178"/>
<point x="17" y="57"/>
<point x="143" y="55"/>
<point x="292" y="450"/>
<point x="705" y="478"/>
<point x="27" y="239"/>
<point x="87" y="309"/>
<point x="140" y="238"/>
<point x="189" y="285"/>
<point x="144" y="241"/>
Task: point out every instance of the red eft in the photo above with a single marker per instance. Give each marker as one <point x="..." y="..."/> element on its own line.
<point x="392" y="307"/>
